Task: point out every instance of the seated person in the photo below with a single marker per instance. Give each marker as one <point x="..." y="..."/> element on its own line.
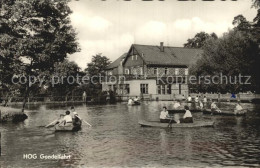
<point x="176" y="105"/>
<point x="187" y="117"/>
<point x="164" y="116"/>
<point x="201" y="106"/>
<point x="238" y="108"/>
<point x="76" y="119"/>
<point x="196" y="99"/>
<point x="130" y="101"/>
<point x="189" y="98"/>
<point x="205" y="99"/>
<point x="214" y="107"/>
<point x="67" y="120"/>
<point x="136" y="99"/>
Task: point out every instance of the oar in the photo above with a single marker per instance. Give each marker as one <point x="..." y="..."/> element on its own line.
<point x="51" y="124"/>
<point x="87" y="123"/>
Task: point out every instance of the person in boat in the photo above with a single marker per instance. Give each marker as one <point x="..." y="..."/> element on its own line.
<point x="201" y="106"/>
<point x="205" y="99"/>
<point x="67" y="120"/>
<point x="187" y="117"/>
<point x="177" y="105"/>
<point x="55" y="122"/>
<point x="214" y="107"/>
<point x="189" y="98"/>
<point x="196" y="99"/>
<point x="130" y="101"/>
<point x="238" y="109"/>
<point x="76" y="119"/>
<point x="136" y="99"/>
<point x="165" y="117"/>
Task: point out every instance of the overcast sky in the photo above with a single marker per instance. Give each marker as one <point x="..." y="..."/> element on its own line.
<point x="110" y="27"/>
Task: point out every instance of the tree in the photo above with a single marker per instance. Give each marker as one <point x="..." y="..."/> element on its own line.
<point x="67" y="77"/>
<point x="199" y="39"/>
<point x="96" y="69"/>
<point x="233" y="54"/>
<point x="34" y="35"/>
<point x="241" y="24"/>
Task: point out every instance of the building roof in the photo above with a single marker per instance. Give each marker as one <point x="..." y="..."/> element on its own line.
<point x="177" y="56"/>
<point x="117" y="62"/>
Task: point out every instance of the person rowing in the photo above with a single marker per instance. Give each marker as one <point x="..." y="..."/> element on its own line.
<point x="67" y="120"/>
<point x="177" y="105"/>
<point x="214" y="107"/>
<point x="165" y="117"/>
<point x="187" y="117"/>
<point x="189" y="99"/>
<point x="130" y="101"/>
<point x="196" y="99"/>
<point x="238" y="109"/>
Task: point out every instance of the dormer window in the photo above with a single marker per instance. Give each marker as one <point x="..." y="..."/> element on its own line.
<point x="136" y="57"/>
<point x="186" y="71"/>
<point x="155" y="71"/>
<point x="176" y="71"/>
<point x="166" y="71"/>
<point x="127" y="71"/>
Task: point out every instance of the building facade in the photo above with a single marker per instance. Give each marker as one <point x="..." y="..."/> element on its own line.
<point x="154" y="72"/>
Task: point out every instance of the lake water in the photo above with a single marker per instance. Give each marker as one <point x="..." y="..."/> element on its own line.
<point x="115" y="139"/>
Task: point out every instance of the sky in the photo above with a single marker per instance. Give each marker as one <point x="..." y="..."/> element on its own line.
<point x="110" y="27"/>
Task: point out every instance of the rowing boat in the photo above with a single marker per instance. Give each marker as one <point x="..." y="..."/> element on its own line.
<point x="225" y="113"/>
<point x="171" y="111"/>
<point x="180" y="125"/>
<point x="134" y="104"/>
<point x="61" y="127"/>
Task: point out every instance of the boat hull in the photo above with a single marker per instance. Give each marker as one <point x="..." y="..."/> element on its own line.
<point x="134" y="104"/>
<point x="172" y="111"/>
<point x="224" y="113"/>
<point x="59" y="128"/>
<point x="180" y="125"/>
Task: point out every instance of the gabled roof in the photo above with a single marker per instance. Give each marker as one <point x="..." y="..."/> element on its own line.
<point x="117" y="62"/>
<point x="177" y="56"/>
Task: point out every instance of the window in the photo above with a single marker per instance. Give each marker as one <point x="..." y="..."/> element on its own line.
<point x="155" y="70"/>
<point x="144" y="88"/>
<point x="126" y="71"/>
<point x="166" y="71"/>
<point x="179" y="88"/>
<point x="110" y="73"/>
<point x="136" y="57"/>
<point x="186" y="71"/>
<point x="169" y="89"/>
<point x="132" y="57"/>
<point x="176" y="71"/>
<point x="159" y="89"/>
<point x="164" y="89"/>
<point x="127" y="88"/>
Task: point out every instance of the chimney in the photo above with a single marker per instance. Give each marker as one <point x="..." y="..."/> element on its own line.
<point x="161" y="47"/>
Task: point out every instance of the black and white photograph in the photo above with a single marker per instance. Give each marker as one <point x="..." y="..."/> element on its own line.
<point x="129" y="83"/>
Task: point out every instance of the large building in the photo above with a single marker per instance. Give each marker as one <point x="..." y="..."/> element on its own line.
<point x="155" y="72"/>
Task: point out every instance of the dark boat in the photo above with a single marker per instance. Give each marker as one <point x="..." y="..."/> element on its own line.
<point x="171" y="111"/>
<point x="61" y="128"/>
<point x="224" y="113"/>
<point x="136" y="103"/>
<point x="180" y="125"/>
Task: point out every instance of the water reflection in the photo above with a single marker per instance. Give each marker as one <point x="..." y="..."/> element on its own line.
<point x="116" y="139"/>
